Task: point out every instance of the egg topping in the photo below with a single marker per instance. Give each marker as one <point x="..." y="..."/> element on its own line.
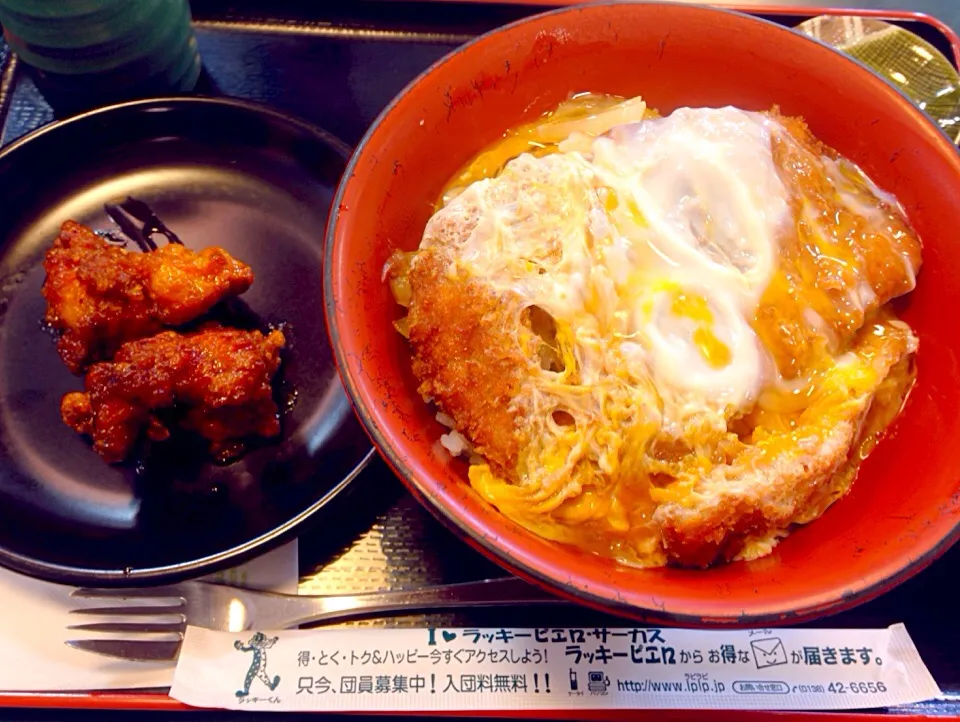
<point x="650" y="306"/>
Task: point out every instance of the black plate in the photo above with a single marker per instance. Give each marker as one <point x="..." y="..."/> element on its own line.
<point x="216" y="172"/>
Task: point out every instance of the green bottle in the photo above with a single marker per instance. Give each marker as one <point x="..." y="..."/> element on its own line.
<point x="85" y="53"/>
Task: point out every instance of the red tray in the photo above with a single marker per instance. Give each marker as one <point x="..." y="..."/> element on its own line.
<point x="771" y="10"/>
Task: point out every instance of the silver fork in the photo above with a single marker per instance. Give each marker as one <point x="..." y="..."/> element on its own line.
<point x="168" y="610"/>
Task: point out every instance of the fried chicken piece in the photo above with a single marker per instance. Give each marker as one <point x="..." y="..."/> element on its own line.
<point x="100" y="295"/>
<point x="218" y="377"/>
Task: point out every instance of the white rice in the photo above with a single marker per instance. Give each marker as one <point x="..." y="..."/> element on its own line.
<point x="454" y="442"/>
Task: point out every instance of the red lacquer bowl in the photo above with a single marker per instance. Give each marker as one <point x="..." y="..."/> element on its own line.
<point x="904" y="510"/>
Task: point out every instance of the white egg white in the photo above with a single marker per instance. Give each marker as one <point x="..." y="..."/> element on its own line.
<point x="687" y="204"/>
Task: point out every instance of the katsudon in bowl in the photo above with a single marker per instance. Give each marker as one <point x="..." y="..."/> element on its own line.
<point x="649" y="325"/>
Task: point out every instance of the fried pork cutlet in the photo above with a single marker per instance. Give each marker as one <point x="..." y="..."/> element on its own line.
<point x="522" y="322"/>
<point x="738" y="510"/>
<point x="216" y="379"/>
<point x="100" y="295"/>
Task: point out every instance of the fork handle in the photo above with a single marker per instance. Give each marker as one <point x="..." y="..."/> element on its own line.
<point x="298" y="611"/>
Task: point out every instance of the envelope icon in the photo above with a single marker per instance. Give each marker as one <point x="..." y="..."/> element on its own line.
<point x="768" y="652"/>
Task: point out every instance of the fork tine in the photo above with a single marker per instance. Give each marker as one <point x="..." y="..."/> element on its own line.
<point x="141" y="211"/>
<point x="135" y="651"/>
<point x="129" y="593"/>
<point x="135" y="627"/>
<point x="131" y="611"/>
<point x="129" y="228"/>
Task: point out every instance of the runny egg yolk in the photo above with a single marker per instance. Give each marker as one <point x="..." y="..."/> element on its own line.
<point x="714" y="351"/>
<point x="611" y="201"/>
<point x="692" y="307"/>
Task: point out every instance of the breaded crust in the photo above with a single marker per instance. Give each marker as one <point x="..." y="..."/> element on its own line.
<point x="100" y="296"/>
<point x="473" y="346"/>
<point x="763" y="494"/>
<point x="475" y="389"/>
